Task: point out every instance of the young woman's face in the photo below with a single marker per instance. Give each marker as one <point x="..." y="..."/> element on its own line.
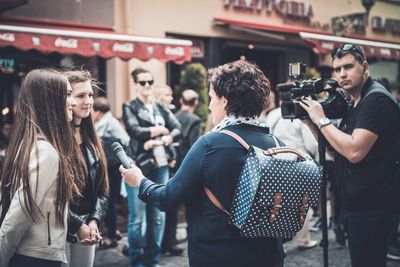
<point x="82" y="93"/>
<point x="144" y="91"/>
<point x="71" y="103"/>
<point x="217" y="106"/>
<point x="166" y="97"/>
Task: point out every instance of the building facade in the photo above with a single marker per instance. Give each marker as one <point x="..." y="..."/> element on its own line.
<point x="271" y="33"/>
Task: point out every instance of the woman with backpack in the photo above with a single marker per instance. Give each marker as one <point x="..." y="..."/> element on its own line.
<point x="238" y="93"/>
<point x="37" y="181"/>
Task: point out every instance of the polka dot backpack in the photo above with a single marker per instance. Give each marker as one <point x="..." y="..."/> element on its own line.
<point x="275" y="189"/>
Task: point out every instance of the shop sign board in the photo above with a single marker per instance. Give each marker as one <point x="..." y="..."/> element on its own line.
<point x="385" y="25"/>
<point x="293" y="12"/>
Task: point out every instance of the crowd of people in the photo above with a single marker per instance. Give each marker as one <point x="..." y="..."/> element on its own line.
<point x="60" y="178"/>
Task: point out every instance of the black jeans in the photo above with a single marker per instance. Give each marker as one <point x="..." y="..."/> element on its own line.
<point x="368" y="234"/>
<point x="171" y="222"/>
<point x="115" y="188"/>
<point x="19" y="260"/>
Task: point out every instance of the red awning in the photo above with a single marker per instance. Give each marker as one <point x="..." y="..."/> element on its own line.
<point x="94" y="43"/>
<point x="324" y="44"/>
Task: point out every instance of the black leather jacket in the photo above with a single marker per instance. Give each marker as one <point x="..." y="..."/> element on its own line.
<point x="93" y="202"/>
<point x="138" y="122"/>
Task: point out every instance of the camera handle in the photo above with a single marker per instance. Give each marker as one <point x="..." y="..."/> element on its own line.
<point x="322" y="144"/>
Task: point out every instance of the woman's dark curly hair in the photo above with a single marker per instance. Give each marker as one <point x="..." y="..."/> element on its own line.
<point x="243" y="84"/>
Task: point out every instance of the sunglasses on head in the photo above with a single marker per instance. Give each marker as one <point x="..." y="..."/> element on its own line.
<point x="143" y="83"/>
<point x="347" y="48"/>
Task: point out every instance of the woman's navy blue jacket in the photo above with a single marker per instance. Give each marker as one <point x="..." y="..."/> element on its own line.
<point x="215" y="161"/>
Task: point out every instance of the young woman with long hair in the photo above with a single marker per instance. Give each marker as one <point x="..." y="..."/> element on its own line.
<point x="88" y="209"/>
<point x="37" y="181"/>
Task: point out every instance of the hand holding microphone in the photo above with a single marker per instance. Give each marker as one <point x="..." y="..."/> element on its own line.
<point x="129" y="171"/>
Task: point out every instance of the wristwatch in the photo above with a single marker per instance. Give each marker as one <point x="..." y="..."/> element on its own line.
<point x="323" y="122"/>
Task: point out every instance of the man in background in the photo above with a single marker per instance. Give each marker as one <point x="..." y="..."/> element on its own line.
<point x="191" y="123"/>
<point x="110" y="130"/>
<point x="191" y="131"/>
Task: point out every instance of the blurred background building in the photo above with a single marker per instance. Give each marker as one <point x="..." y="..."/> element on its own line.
<point x="112" y="37"/>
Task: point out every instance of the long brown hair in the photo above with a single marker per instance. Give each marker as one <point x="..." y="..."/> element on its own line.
<point x="87" y="129"/>
<point x="41" y="113"/>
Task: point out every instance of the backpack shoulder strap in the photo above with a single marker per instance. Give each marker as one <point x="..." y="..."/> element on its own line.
<point x="208" y="192"/>
<point x="215" y="200"/>
<point x="237" y="138"/>
<point x="242" y="142"/>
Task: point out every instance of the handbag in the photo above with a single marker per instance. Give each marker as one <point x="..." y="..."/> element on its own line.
<point x="146" y="162"/>
<point x="273" y="193"/>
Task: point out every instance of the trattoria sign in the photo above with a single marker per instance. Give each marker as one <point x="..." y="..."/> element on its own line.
<point x="283" y="7"/>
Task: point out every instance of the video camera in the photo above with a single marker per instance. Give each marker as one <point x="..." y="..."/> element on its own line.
<point x="335" y="106"/>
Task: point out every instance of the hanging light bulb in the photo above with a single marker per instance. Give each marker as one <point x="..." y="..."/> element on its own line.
<point x="5" y="111"/>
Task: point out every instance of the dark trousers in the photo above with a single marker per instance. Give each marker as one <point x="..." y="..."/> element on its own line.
<point x="171" y="221"/>
<point x="19" y="260"/>
<point x="115" y="188"/>
<point x="368" y="234"/>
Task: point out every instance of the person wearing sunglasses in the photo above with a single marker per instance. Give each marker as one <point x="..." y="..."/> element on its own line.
<point x="151" y="127"/>
<point x="366" y="168"/>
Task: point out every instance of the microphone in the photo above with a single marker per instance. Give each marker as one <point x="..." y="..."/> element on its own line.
<point x="121" y="155"/>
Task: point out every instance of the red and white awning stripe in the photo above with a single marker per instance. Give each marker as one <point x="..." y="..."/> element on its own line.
<point x="94" y="43"/>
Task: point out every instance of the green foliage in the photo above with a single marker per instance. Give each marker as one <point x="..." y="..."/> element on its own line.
<point x="194" y="76"/>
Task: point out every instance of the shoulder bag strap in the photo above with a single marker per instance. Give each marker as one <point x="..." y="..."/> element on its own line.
<point x="208" y="192"/>
<point x="237" y="138"/>
<point x="215" y="200"/>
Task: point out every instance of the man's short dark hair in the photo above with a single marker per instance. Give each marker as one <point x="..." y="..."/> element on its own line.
<point x="243" y="84"/>
<point x="136" y="72"/>
<point x="344" y="49"/>
<point x="101" y="104"/>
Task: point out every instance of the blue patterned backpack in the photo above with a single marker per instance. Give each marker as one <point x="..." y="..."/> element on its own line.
<point x="273" y="193"/>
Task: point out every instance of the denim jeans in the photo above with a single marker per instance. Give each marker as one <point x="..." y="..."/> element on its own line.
<point x="368" y="234"/>
<point x="145" y="224"/>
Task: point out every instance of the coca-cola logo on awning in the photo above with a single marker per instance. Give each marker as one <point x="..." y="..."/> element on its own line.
<point x="96" y="46"/>
<point x="9" y="37"/>
<point x="150" y="50"/>
<point x="67" y="43"/>
<point x="125" y="47"/>
<point x="174" y="51"/>
<point x="35" y="40"/>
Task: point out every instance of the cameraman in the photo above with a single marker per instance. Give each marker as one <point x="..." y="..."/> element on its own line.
<point x="366" y="161"/>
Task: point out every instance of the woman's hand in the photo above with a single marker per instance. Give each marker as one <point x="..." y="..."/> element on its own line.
<point x="94" y="231"/>
<point x="152" y="143"/>
<point x="167" y="140"/>
<point x="84" y="235"/>
<point x="158" y="130"/>
<point x="172" y="164"/>
<point x="88" y="234"/>
<point x="83" y="232"/>
<point x="133" y="176"/>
